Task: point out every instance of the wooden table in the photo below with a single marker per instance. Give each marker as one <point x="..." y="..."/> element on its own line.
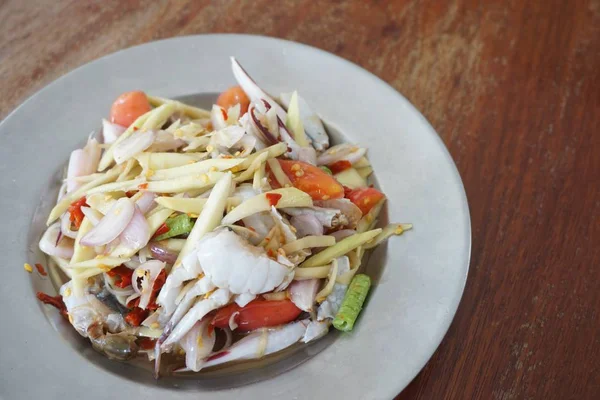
<point x="513" y="89"/>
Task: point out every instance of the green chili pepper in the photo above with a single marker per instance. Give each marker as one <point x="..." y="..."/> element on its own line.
<point x="352" y="303"/>
<point x="179" y="225"/>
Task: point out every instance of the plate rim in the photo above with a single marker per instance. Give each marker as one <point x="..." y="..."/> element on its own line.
<point x="455" y="303"/>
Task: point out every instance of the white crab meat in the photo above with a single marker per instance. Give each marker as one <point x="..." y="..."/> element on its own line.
<point x="331" y="305"/>
<point x="303" y="293"/>
<point x="198" y="344"/>
<point x="217" y="299"/>
<point x="328" y="217"/>
<point x="83" y="162"/>
<point x="202" y="286"/>
<point x="232" y="263"/>
<point x="316" y="330"/>
<point x="260" y="343"/>
<point x="261" y="223"/>
<point x="284" y="226"/>
<point x="347" y="208"/>
<point x="189" y="269"/>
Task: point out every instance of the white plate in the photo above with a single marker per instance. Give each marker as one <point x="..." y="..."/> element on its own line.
<point x="409" y="310"/>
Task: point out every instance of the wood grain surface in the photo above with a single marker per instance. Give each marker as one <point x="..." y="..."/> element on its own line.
<point x="513" y="89"/>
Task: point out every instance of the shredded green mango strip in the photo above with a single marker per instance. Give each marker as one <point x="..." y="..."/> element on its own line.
<point x="178" y="225"/>
<point x="352" y="303"/>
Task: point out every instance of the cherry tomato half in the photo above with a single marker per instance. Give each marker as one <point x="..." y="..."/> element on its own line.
<point x="128" y="107"/>
<point x="231" y="97"/>
<point x="312" y="180"/>
<point x="365" y="198"/>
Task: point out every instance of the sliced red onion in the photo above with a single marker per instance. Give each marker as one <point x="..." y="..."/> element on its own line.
<point x="356" y="155"/>
<point x="228" y="338"/>
<point x="93" y="215"/>
<point x="302" y="293"/>
<point x="137" y="233"/>
<point x="250" y="127"/>
<point x="116" y="291"/>
<point x="133" y="263"/>
<point x="83" y="162"/>
<point x="65" y="226"/>
<point x="146" y="202"/>
<point x="111" y="132"/>
<point x="254" y="92"/>
<point x="77" y="167"/>
<point x="113" y="244"/>
<point x="342" y="234"/>
<point x="148" y="272"/>
<point x="307" y="225"/>
<point x="143" y="255"/>
<point x="165" y="141"/>
<point x="48" y="243"/>
<point x="133" y="145"/>
<point x="266" y="136"/>
<point x="293" y="147"/>
<point x="131" y="297"/>
<point x="335" y="153"/>
<point x="232" y="324"/>
<point x="112" y="225"/>
<point x="307" y="155"/>
<point x="161" y="253"/>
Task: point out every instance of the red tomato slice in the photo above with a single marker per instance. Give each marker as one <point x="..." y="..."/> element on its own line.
<point x="231" y="97"/>
<point x="312" y="180"/>
<point x="128" y="107"/>
<point x="339" y="166"/>
<point x="365" y="198"/>
<point x="257" y="314"/>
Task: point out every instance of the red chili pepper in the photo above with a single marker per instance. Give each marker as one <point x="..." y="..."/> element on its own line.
<point x="136" y="316"/>
<point x="134" y="303"/>
<point x="158" y="284"/>
<point x="41" y="270"/>
<point x="340" y="166"/>
<point x="224" y="114"/>
<point x="161" y="230"/>
<point x="55" y="301"/>
<point x="146" y="343"/>
<point x="75" y="214"/>
<point x="123" y="274"/>
<point x="130" y="193"/>
<point x="273" y="198"/>
<point x="143" y="186"/>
